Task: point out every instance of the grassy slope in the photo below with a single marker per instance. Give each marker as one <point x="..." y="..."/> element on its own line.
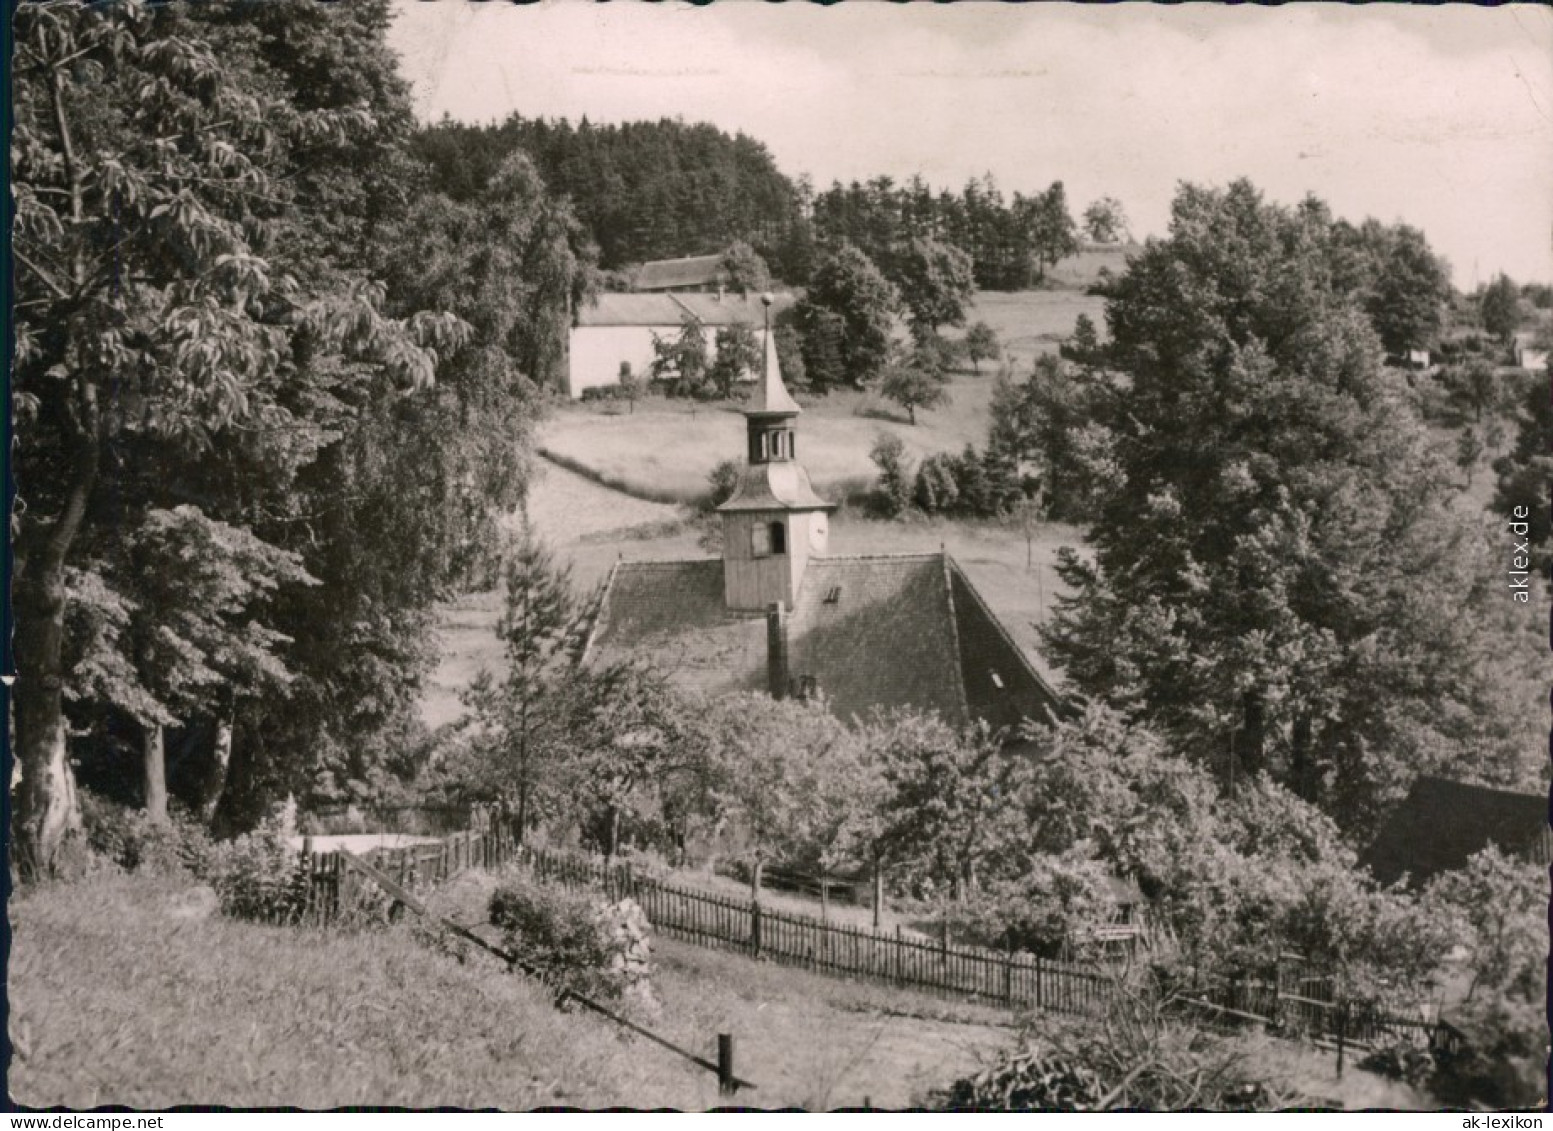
<point x="116" y="999"/>
<point x="120" y="995"/>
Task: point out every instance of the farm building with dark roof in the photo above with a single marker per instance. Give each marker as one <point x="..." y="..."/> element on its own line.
<point x="1440" y="824"/>
<point x="775" y="613"/>
<point x="693" y="273"/>
<point x="617" y="329"/>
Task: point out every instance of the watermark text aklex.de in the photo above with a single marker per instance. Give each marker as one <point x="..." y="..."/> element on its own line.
<point x="1520" y="556"/>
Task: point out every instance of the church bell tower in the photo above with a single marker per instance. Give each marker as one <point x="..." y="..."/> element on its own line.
<point x="774" y="522"/>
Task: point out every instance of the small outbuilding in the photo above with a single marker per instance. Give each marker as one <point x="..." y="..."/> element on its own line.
<point x="1441" y="824"/>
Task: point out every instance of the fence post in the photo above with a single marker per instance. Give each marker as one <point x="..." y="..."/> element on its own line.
<point x="725" y="1078"/>
<point x="1342" y="1032"/>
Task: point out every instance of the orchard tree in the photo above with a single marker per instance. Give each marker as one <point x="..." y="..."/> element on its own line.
<point x="1105" y="221"/>
<point x="847" y="317"/>
<point x="935" y="282"/>
<point x="1264" y="469"/>
<point x="981" y="344"/>
<point x="913" y="381"/>
<point x="737" y="357"/>
<point x="147" y="319"/>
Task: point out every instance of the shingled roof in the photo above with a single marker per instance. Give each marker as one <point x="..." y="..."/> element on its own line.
<point x="1440" y="824"/>
<point x="692" y="271"/>
<point x="872" y="632"/>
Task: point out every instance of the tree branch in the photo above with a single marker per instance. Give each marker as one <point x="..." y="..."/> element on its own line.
<point x="59" y="291"/>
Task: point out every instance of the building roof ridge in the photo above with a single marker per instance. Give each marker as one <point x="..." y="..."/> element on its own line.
<point x="910" y="555"/>
<point x="648" y="563"/>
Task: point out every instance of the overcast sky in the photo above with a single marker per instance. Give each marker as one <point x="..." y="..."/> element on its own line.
<point x="1442" y="117"/>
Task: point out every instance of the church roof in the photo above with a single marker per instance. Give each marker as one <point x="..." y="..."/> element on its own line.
<point x="872" y="632"/>
<point x="774" y="486"/>
<point x="1441" y="823"/>
<point x="771" y="398"/>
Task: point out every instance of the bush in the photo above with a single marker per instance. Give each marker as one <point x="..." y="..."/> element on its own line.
<point x="576" y="943"/>
<point x="134" y="842"/>
<point x="937" y="490"/>
<point x="1401" y="1060"/>
<point x="893" y="495"/>
<point x="260" y="876"/>
<point x="607" y="393"/>
<point x="722" y="483"/>
<point x="1131" y="1057"/>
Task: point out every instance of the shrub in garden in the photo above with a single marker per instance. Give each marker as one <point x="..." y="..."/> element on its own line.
<point x="259" y="875"/>
<point x="575" y="942"/>
<point x="1133" y="1056"/>
<point x="134" y="842"/>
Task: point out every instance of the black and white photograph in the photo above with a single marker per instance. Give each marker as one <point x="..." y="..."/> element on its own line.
<point x="818" y="557"/>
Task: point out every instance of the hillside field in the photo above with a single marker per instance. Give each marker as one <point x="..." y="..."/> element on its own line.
<point x="665" y="449"/>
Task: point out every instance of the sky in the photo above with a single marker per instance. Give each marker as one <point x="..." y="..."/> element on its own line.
<point x="1441" y="117"/>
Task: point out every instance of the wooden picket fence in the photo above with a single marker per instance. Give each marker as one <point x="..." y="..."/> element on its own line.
<point x="332" y="885"/>
<point x="939" y="968"/>
<point x="1296" y="1004"/>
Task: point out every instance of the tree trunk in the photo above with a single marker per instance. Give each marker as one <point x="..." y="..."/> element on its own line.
<point x="1300" y="768"/>
<point x="214" y="780"/>
<point x="154" y="755"/>
<point x="46" y="808"/>
<point x="1252" y="744"/>
<point x="612" y="841"/>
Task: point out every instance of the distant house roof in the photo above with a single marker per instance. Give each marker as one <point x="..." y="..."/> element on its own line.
<point x="614" y="308"/>
<point x="1440" y="824"/>
<point x="872" y="632"/>
<point x="694" y="271"/>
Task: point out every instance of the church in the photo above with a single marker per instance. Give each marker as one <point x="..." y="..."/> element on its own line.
<point x="778" y="613"/>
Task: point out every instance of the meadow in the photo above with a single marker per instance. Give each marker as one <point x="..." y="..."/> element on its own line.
<point x="226" y="1012"/>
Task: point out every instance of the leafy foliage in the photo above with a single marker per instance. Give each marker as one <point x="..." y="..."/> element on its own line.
<point x="603" y="951"/>
<point x="1261" y="470"/>
<point x="894" y="484"/>
<point x="981" y="344"/>
<point x="134" y="842"/>
<point x="1009" y="243"/>
<point x="845" y="320"/>
<point x="259" y="875"/>
<point x="912" y="382"/>
<point x="1500" y="307"/>
<point x="1105" y="221"/>
<point x="1135" y="1057"/>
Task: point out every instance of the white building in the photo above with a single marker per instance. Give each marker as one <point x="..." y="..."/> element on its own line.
<point x="617" y="329"/>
